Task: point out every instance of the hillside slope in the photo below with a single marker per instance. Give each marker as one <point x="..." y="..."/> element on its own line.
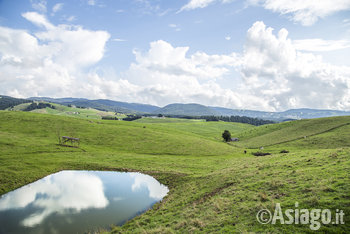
<point x="302" y="113"/>
<point x="213" y="187"/>
<point x="185" y="109"/>
<point x="269" y="135"/>
<point x="38" y="130"/>
<point x="101" y="104"/>
<point x="210" y="130"/>
<point x="10" y="102"/>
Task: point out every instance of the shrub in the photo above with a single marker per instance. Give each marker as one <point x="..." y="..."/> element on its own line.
<point x="132" y="118"/>
<point x="259" y="153"/>
<point x="226" y="135"/>
<point x="109" y="118"/>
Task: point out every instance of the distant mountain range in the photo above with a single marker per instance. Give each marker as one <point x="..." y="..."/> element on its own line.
<point x="196" y="110"/>
<point x="186" y="109"/>
<point x="102" y="104"/>
<point x="302" y="113"/>
<point x="181" y="109"/>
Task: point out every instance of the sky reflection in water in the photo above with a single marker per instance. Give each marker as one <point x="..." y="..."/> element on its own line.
<point x="78" y="201"/>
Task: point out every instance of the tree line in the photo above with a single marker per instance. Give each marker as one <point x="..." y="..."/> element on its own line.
<point x="6" y="102"/>
<point x="233" y="118"/>
<point x="40" y="105"/>
<point x="239" y="119"/>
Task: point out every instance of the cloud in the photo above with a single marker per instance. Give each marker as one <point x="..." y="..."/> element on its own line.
<point x="155" y="189"/>
<point x="57" y="7"/>
<point x="147" y="7"/>
<point x="162" y="57"/>
<point x="320" y="45"/>
<point x="70" y="18"/>
<point x="39" y="5"/>
<point x="49" y="62"/>
<point x="91" y="2"/>
<point x="227" y="38"/>
<point x="305" y="12"/>
<point x="193" y="4"/>
<point x="272" y="73"/>
<point x="118" y="39"/>
<point x="273" y="69"/>
<point x="38" y="19"/>
<point x="170" y="75"/>
<point x="175" y="27"/>
<point x="60" y="193"/>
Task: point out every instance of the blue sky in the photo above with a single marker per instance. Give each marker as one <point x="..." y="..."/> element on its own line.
<point x="246" y="54"/>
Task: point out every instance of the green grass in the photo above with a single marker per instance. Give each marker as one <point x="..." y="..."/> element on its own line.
<point x="82" y="113"/>
<point x="214" y="186"/>
<point x="274" y="134"/>
<point x="210" y="130"/>
<point x="167" y="120"/>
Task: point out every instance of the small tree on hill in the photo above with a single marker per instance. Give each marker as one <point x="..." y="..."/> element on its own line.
<point x="226" y="135"/>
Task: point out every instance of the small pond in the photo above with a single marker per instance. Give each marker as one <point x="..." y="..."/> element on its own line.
<point x="78" y="202"/>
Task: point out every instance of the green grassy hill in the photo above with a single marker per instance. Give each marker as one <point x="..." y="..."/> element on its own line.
<point x="214" y="186"/>
<point x="210" y="130"/>
<point x="274" y="134"/>
<point x="8" y="102"/>
<point x="117" y="136"/>
<point x="62" y="110"/>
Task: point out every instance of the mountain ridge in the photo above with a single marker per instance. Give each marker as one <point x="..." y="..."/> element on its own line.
<point x="193" y="109"/>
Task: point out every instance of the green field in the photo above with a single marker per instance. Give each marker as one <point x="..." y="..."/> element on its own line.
<point x="210" y="130"/>
<point x="214" y="186"/>
<point x="83" y="113"/>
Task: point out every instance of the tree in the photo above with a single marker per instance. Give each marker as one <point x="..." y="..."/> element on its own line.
<point x="226" y="135"/>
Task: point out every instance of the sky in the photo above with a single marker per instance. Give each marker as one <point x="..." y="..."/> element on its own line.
<point x="269" y="55"/>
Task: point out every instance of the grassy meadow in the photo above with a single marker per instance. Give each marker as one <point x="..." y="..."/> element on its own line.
<point x="214" y="186"/>
<point x="62" y="110"/>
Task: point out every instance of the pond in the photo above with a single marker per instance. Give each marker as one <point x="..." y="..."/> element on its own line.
<point x="78" y="202"/>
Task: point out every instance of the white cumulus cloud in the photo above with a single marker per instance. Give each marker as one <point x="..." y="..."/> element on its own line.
<point x="273" y="69"/>
<point x="49" y="62"/>
<point x="320" y="45"/>
<point x="273" y="72"/>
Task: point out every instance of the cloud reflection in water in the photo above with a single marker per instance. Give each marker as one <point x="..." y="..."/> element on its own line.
<point x="57" y="193"/>
<point x="77" y="201"/>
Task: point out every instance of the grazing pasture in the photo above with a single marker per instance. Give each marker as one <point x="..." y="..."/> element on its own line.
<point x="214" y="186"/>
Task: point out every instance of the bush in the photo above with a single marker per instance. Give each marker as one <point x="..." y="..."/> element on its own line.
<point x="132" y="118"/>
<point x="109" y="118"/>
<point x="226" y="135"/>
<point x="259" y="153"/>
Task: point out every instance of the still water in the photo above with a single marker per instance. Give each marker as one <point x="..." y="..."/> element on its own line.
<point x="78" y="202"/>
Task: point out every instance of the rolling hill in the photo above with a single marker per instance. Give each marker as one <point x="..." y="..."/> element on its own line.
<point x="213" y="186"/>
<point x="300" y="130"/>
<point x="10" y="102"/>
<point x="193" y="109"/>
<point x="303" y="113"/>
<point x="185" y="109"/>
<point x="101" y="104"/>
